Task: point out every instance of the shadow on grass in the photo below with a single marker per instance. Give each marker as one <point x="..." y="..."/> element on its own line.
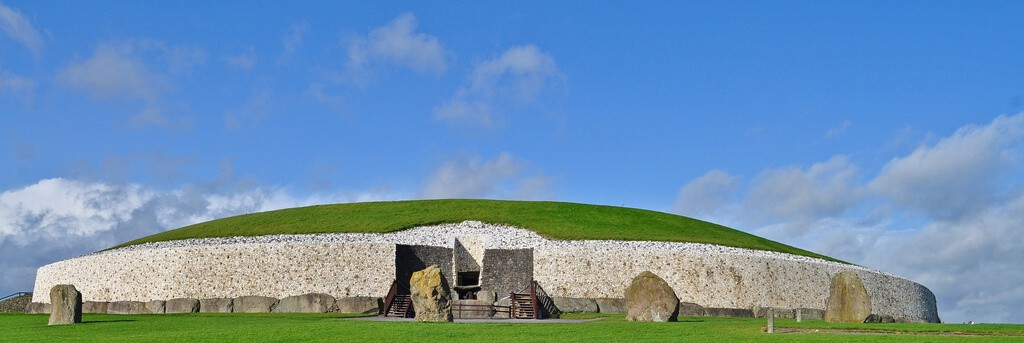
<point x="91" y="322"/>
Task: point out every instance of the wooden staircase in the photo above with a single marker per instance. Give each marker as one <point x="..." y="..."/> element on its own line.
<point x="397" y="305"/>
<point x="524" y="305"/>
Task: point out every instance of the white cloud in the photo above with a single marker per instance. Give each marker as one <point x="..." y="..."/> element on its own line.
<point x="55" y="219"/>
<point x="291" y="42"/>
<point x="15" y="83"/>
<point x="245" y="61"/>
<point x="793" y="194"/>
<point x="124" y="72"/>
<point x="959" y="174"/>
<point x="838" y="131"/>
<point x="705" y="196"/>
<point x="255" y="111"/>
<point x="518" y="77"/>
<point x="398" y="43"/>
<point x="19" y="28"/>
<point x="505" y="176"/>
<point x="966" y="246"/>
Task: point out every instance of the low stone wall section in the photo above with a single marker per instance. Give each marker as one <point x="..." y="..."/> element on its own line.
<point x="347" y="265"/>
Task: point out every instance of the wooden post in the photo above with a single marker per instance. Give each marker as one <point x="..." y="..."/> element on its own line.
<point x="771" y="319"/>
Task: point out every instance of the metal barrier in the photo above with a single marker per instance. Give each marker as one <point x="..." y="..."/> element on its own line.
<point x="15" y="295"/>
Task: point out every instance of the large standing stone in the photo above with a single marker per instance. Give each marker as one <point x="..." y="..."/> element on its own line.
<point x="650" y="299"/>
<point x="848" y="301"/>
<point x="181" y="305"/>
<point x="307" y="303"/>
<point x="431" y="297"/>
<point x="67" y="305"/>
<point x="254" y="304"/>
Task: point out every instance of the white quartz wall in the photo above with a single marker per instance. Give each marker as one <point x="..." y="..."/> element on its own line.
<point x="224" y="271"/>
<point x="345" y="265"/>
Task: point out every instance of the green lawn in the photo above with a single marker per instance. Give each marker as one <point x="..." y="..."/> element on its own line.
<point x="567" y="221"/>
<point x="333" y="328"/>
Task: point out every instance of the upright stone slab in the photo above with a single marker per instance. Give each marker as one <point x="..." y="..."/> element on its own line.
<point x="848" y="301"/>
<point x="254" y="304"/>
<point x="431" y="297"/>
<point x="650" y="299"/>
<point x="307" y="303"/>
<point x="181" y="305"/>
<point x="216" y="305"/>
<point x="67" y="305"/>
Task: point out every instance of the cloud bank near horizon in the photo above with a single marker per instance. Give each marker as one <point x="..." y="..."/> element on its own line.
<point x="945" y="215"/>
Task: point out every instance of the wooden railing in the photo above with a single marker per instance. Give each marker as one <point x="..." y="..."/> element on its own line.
<point x="397" y="305"/>
<point x="524" y="305"/>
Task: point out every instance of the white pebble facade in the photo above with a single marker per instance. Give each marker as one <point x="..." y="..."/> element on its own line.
<point x="349" y="265"/>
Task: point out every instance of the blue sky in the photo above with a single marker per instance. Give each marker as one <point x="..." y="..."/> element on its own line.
<point x="883" y="134"/>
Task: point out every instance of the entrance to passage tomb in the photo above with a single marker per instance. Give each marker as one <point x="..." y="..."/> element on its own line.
<point x="467" y="266"/>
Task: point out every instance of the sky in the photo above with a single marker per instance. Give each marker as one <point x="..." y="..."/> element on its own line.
<point x="884" y="134"/>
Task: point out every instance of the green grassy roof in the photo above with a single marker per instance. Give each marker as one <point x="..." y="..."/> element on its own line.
<point x="557" y="220"/>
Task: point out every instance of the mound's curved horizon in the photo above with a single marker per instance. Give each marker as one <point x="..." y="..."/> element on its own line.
<point x="573" y="251"/>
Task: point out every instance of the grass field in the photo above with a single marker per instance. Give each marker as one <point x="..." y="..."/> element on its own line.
<point x="334" y="328"/>
<point x="567" y="221"/>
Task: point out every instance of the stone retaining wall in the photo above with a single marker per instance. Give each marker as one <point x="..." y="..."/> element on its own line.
<point x="347" y="265"/>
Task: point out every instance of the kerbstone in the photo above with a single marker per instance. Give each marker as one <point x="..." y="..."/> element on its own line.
<point x="254" y="304"/>
<point x="306" y="303"/>
<point x="181" y="305"/>
<point x="687" y="309"/>
<point x="94" y="306"/>
<point x="431" y="295"/>
<point x="38" y="308"/>
<point x="127" y="307"/>
<point x="611" y="305"/>
<point x="848" y="301"/>
<point x="216" y="305"/>
<point x="156" y="306"/>
<point x="650" y="299"/>
<point x="575" y="305"/>
<point x="358" y="304"/>
<point x="66" y="304"/>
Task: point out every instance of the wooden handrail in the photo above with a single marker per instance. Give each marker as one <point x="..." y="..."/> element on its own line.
<point x="390" y="299"/>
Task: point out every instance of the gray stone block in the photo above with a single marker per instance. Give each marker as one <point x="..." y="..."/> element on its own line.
<point x="127" y="307"/>
<point x="358" y="304"/>
<point x="728" y="312"/>
<point x="575" y="305"/>
<point x="813" y="314"/>
<point x="254" y="304"/>
<point x="38" y="308"/>
<point x="611" y="305"/>
<point x="181" y="305"/>
<point x="156" y="306"/>
<point x="216" y="305"/>
<point x="306" y="303"/>
<point x="94" y="306"/>
<point x="690" y="310"/>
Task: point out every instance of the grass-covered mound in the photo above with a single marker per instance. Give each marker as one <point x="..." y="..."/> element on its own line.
<point x="557" y="220"/>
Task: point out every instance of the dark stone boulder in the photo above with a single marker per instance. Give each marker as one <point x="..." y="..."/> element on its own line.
<point x="66" y="305"/>
<point x="848" y="301"/>
<point x="181" y="305"/>
<point x="650" y="299"/>
<point x="216" y="305"/>
<point x="358" y="304"/>
<point x="306" y="303"/>
<point x="575" y="305"/>
<point x="431" y="295"/>
<point x="254" y="304"/>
